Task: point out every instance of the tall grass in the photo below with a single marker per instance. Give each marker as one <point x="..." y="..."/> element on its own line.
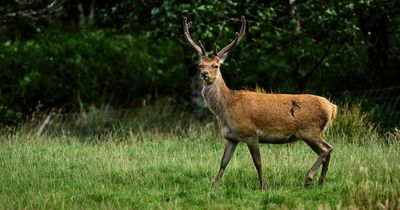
<point x="161" y="157"/>
<point x="353" y="125"/>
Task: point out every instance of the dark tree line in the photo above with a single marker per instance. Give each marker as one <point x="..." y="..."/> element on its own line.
<point x="290" y="46"/>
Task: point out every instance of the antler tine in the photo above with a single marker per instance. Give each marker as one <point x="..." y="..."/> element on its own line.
<point x="189" y="39"/>
<point x="238" y="37"/>
<point x="203" y="49"/>
<point x="242" y="28"/>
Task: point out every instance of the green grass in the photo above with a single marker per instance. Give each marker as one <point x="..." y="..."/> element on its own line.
<point x="171" y="164"/>
<point x="177" y="172"/>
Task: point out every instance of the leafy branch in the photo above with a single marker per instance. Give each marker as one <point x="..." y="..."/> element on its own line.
<point x="50" y="10"/>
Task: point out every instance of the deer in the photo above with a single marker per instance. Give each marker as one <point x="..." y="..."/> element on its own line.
<point x="254" y="118"/>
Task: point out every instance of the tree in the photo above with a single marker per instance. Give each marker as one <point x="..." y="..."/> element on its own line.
<point x="289" y="46"/>
<point x="26" y="16"/>
<point x="374" y="19"/>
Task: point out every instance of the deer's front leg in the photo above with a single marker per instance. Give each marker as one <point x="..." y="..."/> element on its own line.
<point x="229" y="150"/>
<point x="255" y="154"/>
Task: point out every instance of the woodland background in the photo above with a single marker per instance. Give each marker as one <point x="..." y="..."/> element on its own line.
<point x="74" y="55"/>
<point x="100" y="104"/>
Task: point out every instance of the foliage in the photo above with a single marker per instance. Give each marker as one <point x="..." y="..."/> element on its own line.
<point x="380" y="105"/>
<point x="24" y="18"/>
<point x="75" y="71"/>
<point x="329" y="48"/>
<point x="126" y="51"/>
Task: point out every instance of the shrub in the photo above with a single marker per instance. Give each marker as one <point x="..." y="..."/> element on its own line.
<point x="353" y="125"/>
<point x="75" y="71"/>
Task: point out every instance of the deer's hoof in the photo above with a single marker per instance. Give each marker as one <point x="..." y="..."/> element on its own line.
<point x="307" y="181"/>
<point x="216" y="184"/>
<point x="321" y="182"/>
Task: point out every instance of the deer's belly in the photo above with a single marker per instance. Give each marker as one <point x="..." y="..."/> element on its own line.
<point x="277" y="140"/>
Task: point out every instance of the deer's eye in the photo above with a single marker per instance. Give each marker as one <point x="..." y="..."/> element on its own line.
<point x="200" y="65"/>
<point x="215" y="66"/>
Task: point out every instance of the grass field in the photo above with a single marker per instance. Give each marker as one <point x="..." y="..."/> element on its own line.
<point x="173" y="168"/>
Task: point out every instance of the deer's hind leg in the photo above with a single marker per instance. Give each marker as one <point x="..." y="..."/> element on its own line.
<point x="323" y="149"/>
<point x="325" y="166"/>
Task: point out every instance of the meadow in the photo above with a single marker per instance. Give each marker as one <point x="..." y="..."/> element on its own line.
<point x="165" y="159"/>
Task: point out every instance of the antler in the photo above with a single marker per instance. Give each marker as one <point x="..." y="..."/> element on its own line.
<point x="200" y="49"/>
<point x="238" y="37"/>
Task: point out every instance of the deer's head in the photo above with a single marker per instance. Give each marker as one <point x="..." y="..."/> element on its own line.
<point x="210" y="66"/>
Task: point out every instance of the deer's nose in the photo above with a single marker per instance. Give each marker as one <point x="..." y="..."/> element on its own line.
<point x="204" y="73"/>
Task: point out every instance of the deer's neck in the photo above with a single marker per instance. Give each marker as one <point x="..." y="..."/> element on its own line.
<point x="216" y="95"/>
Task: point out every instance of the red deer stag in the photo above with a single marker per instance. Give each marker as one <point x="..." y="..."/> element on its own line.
<point x="254" y="118"/>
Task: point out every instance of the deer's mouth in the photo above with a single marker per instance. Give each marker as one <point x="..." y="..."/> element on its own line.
<point x="207" y="79"/>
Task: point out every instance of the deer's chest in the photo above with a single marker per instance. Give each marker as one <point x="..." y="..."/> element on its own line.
<point x="231" y="131"/>
<point x="226" y="129"/>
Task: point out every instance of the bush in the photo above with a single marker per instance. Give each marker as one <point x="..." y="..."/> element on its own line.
<point x="75" y="71"/>
<point x="353" y="125"/>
